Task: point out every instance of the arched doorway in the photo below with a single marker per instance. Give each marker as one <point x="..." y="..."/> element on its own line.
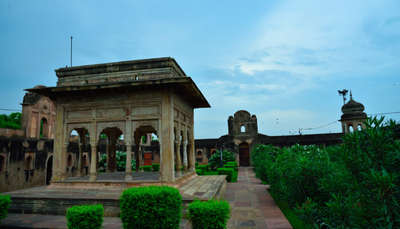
<point x="244" y="154"/>
<point x="49" y="170"/>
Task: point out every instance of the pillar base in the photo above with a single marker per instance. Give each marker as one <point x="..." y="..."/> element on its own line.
<point x="128" y="177"/>
<point x="92" y="177"/>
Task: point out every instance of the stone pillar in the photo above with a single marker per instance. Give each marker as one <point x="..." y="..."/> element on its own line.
<point x="108" y="155"/>
<point x="93" y="162"/>
<point x="192" y="153"/>
<point x="59" y="160"/>
<point x="167" y="171"/>
<point x="178" y="164"/>
<point x="128" y="141"/>
<point x="185" y="158"/>
<point x="128" y="165"/>
<point x="80" y="150"/>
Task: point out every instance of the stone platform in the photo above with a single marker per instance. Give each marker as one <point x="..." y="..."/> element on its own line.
<point x="59" y="196"/>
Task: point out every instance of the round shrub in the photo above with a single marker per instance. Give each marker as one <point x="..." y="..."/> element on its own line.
<point x="151" y="207"/>
<point x="210" y="214"/>
<point x="85" y="217"/>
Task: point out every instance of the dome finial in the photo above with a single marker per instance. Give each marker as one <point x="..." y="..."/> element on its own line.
<point x="351" y="95"/>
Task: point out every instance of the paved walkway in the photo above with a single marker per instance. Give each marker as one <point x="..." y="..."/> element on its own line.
<point x="251" y="207"/>
<point x="251" y="204"/>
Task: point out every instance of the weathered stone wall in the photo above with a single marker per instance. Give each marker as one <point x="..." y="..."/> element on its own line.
<point x="25" y="162"/>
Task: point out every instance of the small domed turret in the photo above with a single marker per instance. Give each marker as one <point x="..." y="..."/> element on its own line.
<point x="353" y="116"/>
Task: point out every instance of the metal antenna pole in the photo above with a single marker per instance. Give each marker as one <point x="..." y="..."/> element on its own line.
<point x="343" y="93"/>
<point x="71" y="51"/>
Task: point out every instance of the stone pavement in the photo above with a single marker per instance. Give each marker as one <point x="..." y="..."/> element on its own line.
<point x="251" y="204"/>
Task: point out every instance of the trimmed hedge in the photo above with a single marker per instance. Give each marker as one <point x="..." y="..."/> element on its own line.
<point x="199" y="172"/>
<point x="208" y="173"/>
<point x="85" y="217"/>
<point x="5" y="201"/>
<point x="151" y="207"/>
<point x="202" y="167"/>
<point x="156" y="167"/>
<point x="210" y="214"/>
<point x="146" y="168"/>
<point x="231" y="164"/>
<point x="226" y="171"/>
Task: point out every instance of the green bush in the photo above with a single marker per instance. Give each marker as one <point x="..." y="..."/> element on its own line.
<point x="210" y="214"/>
<point x="215" y="160"/>
<point x="120" y="159"/>
<point x="151" y="207"/>
<point x="209" y="173"/>
<point x="146" y="168"/>
<point x="85" y="217"/>
<point x="156" y="167"/>
<point x="231" y="164"/>
<point x="352" y="185"/>
<point x="5" y="201"/>
<point x="234" y="176"/>
<point x="226" y="171"/>
<point x="202" y="167"/>
<point x="199" y="172"/>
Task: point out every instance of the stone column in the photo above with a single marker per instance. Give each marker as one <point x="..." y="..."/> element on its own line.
<point x="185" y="158"/>
<point x="167" y="171"/>
<point x="93" y="162"/>
<point x="192" y="162"/>
<point x="128" y="165"/>
<point x="107" y="168"/>
<point x="78" y="173"/>
<point x="59" y="160"/>
<point x="178" y="164"/>
<point x="128" y="143"/>
<point x="64" y="173"/>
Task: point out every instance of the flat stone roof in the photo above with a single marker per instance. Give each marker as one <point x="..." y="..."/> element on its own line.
<point x="181" y="85"/>
<point x="140" y="64"/>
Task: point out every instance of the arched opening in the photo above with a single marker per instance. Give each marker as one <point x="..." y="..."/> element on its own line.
<point x="244" y="154"/>
<point x="147" y="153"/>
<point x="2" y="162"/>
<point x="44" y="128"/>
<point x="112" y="150"/>
<point x="351" y="129"/>
<point x="359" y="127"/>
<point x="242" y="129"/>
<point x="77" y="146"/>
<point x="199" y="153"/>
<point x="49" y="170"/>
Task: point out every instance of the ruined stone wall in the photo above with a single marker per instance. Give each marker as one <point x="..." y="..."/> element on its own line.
<point x="24" y="162"/>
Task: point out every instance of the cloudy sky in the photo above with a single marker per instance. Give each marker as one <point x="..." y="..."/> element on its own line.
<point x="280" y="60"/>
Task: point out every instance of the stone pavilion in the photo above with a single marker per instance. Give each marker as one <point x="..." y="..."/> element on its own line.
<point x="126" y="99"/>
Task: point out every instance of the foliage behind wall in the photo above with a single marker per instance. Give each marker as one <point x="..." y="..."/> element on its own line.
<point x="11" y="121"/>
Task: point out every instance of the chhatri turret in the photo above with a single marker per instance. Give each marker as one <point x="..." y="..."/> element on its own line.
<point x="353" y="116"/>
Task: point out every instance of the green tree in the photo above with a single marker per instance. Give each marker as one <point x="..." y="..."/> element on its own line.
<point x="11" y="121"/>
